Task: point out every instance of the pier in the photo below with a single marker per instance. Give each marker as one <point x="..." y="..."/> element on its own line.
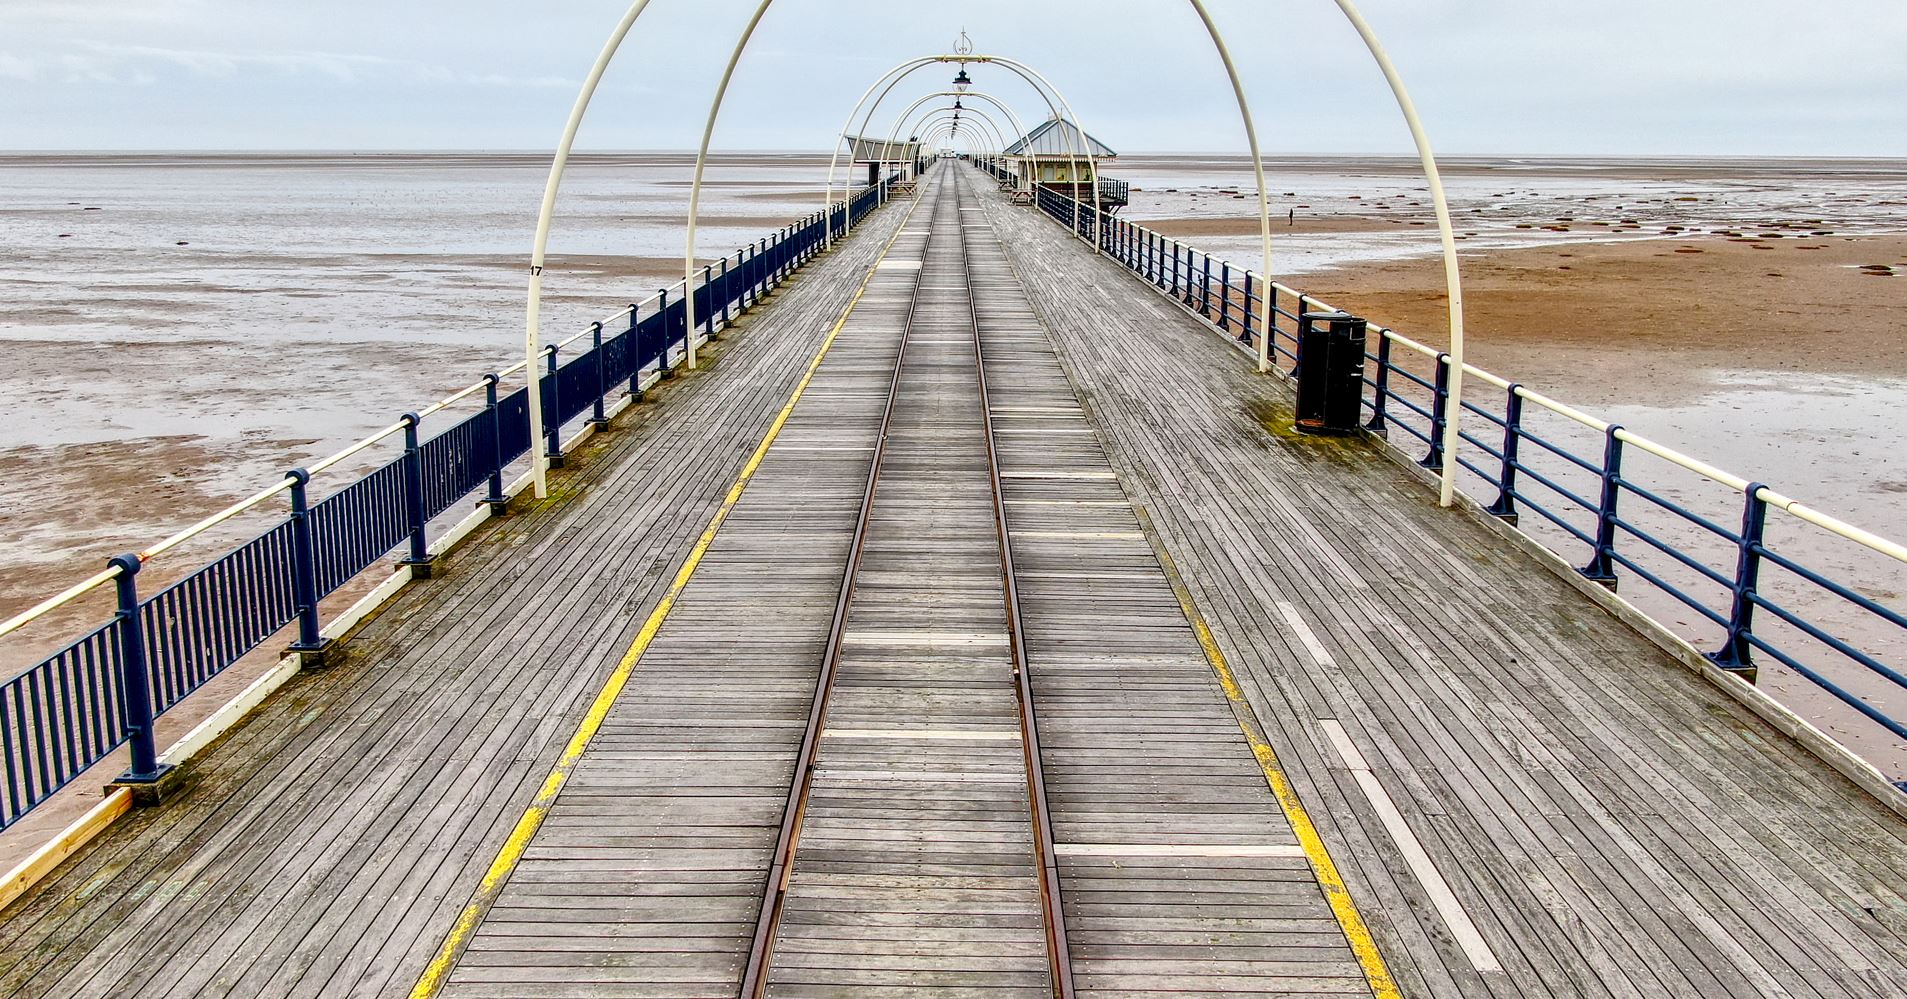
<point x="971" y="621"/>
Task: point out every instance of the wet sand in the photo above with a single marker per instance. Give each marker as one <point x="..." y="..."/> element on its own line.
<point x="1654" y="308"/>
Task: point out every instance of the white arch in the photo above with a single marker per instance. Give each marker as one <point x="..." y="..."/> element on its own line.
<point x="695" y="187"/>
<point x="936" y="116"/>
<point x="695" y="193"/>
<point x="1453" y="280"/>
<point x="1452" y="437"/>
<point x="942" y="118"/>
<point x="1012" y="118"/>
<point x="911" y="108"/>
<point x="1038" y="83"/>
<point x="539" y="465"/>
<point x="945" y="131"/>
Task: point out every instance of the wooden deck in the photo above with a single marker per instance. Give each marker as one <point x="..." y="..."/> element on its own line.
<point x="1522" y="796"/>
<point x="1611" y="823"/>
<point x="327" y="845"/>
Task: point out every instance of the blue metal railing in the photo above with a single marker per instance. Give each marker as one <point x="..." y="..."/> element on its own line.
<point x="102" y="691"/>
<point x="1583" y="490"/>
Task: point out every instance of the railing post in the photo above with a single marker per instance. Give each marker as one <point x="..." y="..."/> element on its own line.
<point x="309" y="645"/>
<point x="1505" y="505"/>
<point x="135" y="686"/>
<point x="662" y="328"/>
<point x="1224" y="292"/>
<point x="1205" y="288"/>
<point x="1737" y="652"/>
<point x="1602" y="565"/>
<point x="1246" y="337"/>
<point x="1438" y="405"/>
<point x="634" y="352"/>
<point x="494" y="497"/>
<point x="596" y="416"/>
<point x="748" y="277"/>
<point x="1382" y="392"/>
<point x="727" y="289"/>
<point x="418" y="558"/>
<point x="1175" y="267"/>
<point x="552" y="423"/>
<point x="1297" y="338"/>
<point x="708" y="303"/>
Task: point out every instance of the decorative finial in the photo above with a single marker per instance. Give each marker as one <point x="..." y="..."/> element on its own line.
<point x="963" y="45"/>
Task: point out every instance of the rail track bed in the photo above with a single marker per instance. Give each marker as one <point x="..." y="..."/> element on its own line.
<point x="889" y="809"/>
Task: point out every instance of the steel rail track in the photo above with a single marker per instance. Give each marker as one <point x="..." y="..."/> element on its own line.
<point x="761" y="953"/>
<point x="1053" y="911"/>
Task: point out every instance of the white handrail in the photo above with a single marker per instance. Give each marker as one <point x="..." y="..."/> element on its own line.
<point x="1827" y="522"/>
<point x="28" y="616"/>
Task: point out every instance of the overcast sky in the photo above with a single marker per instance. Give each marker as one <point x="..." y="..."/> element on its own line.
<point x="1775" y="77"/>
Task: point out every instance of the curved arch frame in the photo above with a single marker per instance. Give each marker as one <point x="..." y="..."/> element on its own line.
<point x="559" y="163"/>
<point x="939" y="116"/>
<point x="1033" y="79"/>
<point x="944" y="132"/>
<point x="941" y="128"/>
<point x="999" y="137"/>
<point x="1012" y="118"/>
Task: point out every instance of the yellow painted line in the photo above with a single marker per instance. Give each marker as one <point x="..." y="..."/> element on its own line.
<point x="507" y="859"/>
<point x="1376" y="974"/>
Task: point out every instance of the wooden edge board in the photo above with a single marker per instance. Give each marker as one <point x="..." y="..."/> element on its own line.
<point x="52" y="853"/>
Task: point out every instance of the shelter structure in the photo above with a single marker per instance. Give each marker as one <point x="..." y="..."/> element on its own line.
<point x="884" y="156"/>
<point x="1054" y="156"/>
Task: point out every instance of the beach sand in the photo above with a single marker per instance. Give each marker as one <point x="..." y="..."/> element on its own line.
<point x="1633" y="321"/>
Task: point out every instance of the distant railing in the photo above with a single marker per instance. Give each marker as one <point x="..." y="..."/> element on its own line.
<point x="104" y="689"/>
<point x="1586" y="491"/>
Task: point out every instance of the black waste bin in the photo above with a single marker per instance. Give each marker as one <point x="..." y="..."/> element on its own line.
<point x="1330" y="372"/>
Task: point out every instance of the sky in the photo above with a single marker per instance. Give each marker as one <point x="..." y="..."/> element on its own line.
<point x="1536" y="77"/>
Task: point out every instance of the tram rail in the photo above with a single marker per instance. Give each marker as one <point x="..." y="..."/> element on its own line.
<point x="758" y="971"/>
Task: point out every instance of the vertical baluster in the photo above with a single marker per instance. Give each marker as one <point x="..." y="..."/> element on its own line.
<point x="552" y="420"/>
<point x="1602" y="565"/>
<point x="74" y="759"/>
<point x="310" y="644"/>
<point x="415" y="517"/>
<point x="1440" y="400"/>
<point x="42" y="756"/>
<point x="728" y="296"/>
<point x="1737" y="652"/>
<point x="1505" y="505"/>
<point x="597" y="418"/>
<point x="494" y="497"/>
<point x="8" y="752"/>
<point x="662" y="332"/>
<point x="1297" y="339"/>
<point x="1205" y="287"/>
<point x="1224" y="291"/>
<point x="1175" y="268"/>
<point x="1246" y="337"/>
<point x="708" y="303"/>
<point x="1380" y="396"/>
<point x="135" y="685"/>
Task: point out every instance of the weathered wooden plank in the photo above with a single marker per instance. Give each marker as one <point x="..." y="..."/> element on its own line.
<point x="1615" y="825"/>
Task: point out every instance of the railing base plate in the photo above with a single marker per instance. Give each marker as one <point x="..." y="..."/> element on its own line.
<point x="150" y="791"/>
<point x="311" y="658"/>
